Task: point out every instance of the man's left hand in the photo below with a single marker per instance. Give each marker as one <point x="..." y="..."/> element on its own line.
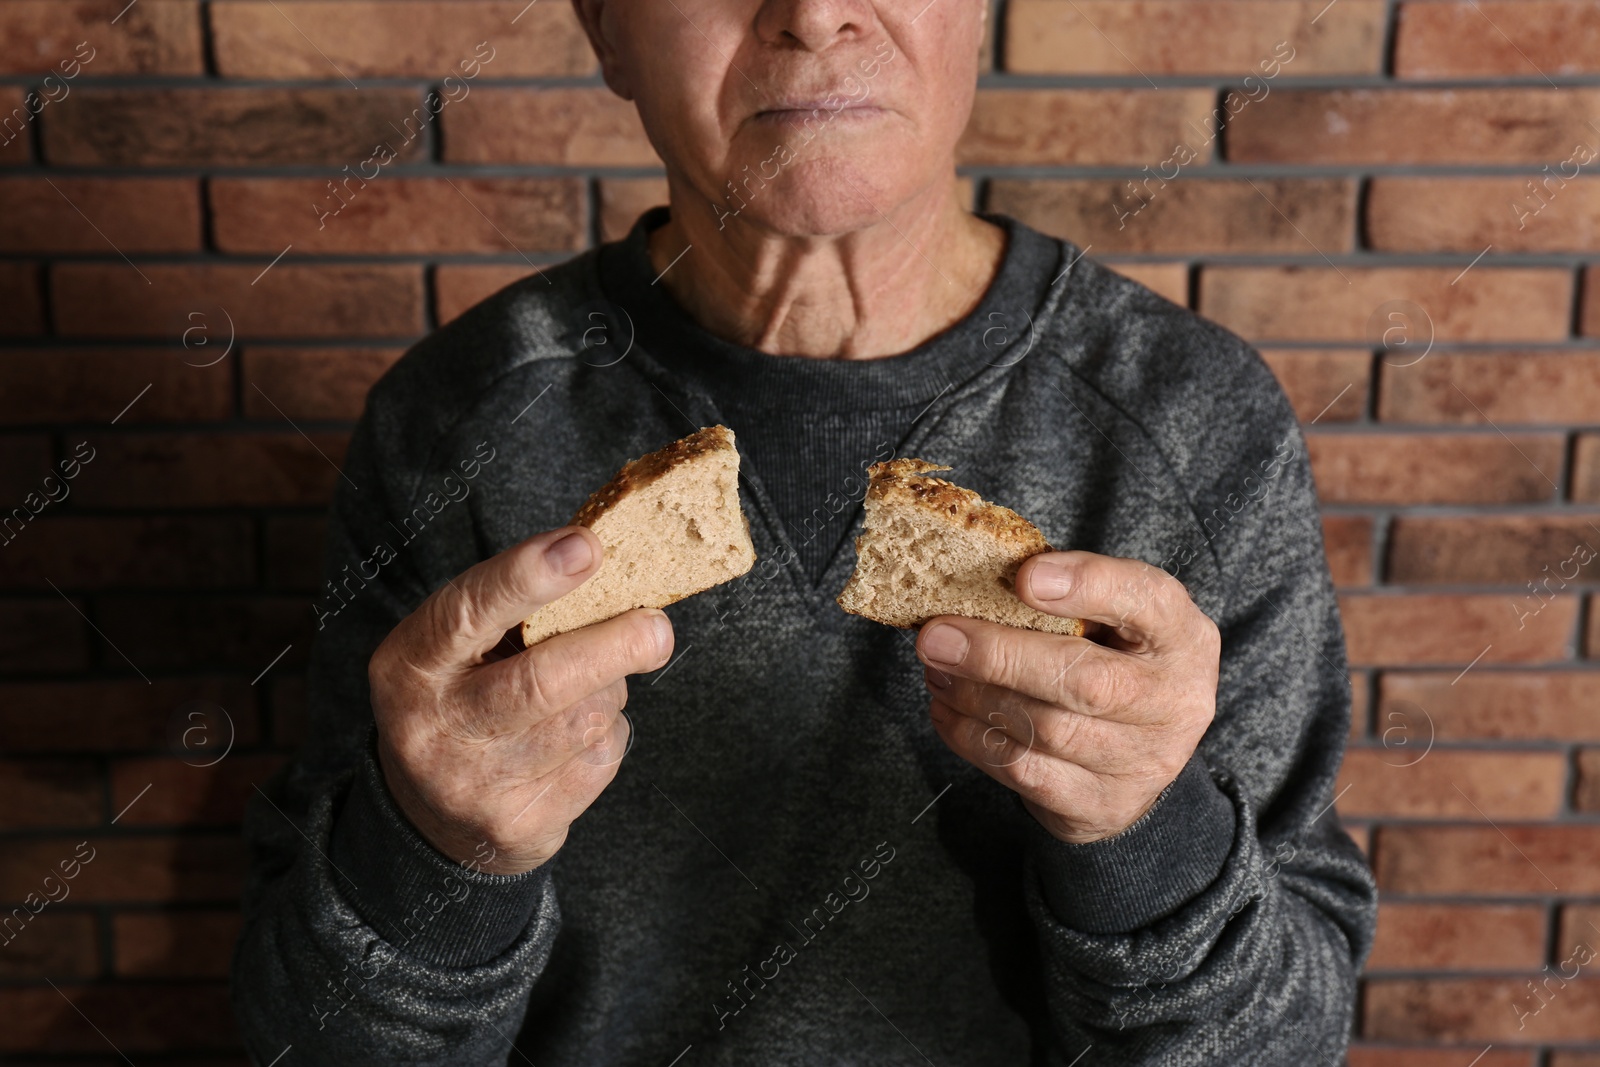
<point x="1088" y="730"/>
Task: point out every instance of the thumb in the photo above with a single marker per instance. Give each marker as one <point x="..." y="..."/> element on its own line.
<point x="467" y="617"/>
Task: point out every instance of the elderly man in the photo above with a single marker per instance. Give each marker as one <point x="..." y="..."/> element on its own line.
<point x="813" y="839"/>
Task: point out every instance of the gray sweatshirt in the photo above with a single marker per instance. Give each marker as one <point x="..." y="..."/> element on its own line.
<point x="791" y="867"/>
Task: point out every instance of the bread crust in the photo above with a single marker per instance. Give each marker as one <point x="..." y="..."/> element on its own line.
<point x="638" y="473"/>
<point x="904" y="478"/>
<point x="905" y="482"/>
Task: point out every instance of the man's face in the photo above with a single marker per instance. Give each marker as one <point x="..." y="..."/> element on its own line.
<point x="739" y="91"/>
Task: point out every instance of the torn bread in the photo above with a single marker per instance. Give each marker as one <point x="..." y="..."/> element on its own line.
<point x="929" y="547"/>
<point x="671" y="526"/>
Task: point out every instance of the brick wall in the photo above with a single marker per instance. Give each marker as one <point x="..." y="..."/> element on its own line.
<point x="185" y="344"/>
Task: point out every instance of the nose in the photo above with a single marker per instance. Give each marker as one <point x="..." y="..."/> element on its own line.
<point x="814" y="25"/>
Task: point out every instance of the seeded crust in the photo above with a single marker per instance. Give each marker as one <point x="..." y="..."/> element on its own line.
<point x="929" y="547"/>
<point x="670" y="525"/>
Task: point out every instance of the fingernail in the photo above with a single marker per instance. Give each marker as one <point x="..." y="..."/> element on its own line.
<point x="945" y="643"/>
<point x="936" y="678"/>
<point x="663" y="630"/>
<point x="571" y="554"/>
<point x="1049" y="581"/>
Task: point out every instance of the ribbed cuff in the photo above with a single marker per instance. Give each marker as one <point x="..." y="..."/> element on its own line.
<point x="1127" y="881"/>
<point x="420" y="900"/>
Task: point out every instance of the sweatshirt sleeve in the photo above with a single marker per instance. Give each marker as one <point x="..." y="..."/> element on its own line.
<point x="361" y="943"/>
<point x="1229" y="923"/>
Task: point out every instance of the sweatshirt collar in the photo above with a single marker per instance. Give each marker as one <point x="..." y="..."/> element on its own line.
<point x="736" y="376"/>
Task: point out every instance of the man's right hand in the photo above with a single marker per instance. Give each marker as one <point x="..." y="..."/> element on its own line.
<point x="478" y="745"/>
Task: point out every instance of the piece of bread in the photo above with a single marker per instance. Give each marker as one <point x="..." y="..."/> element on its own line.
<point x="671" y="526"/>
<point x="928" y="548"/>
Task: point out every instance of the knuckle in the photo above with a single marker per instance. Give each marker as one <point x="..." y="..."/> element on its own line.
<point x="1061" y="733"/>
<point x="1101" y="684"/>
<point x="1002" y="660"/>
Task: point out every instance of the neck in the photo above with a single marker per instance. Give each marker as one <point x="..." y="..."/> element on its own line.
<point x="864" y="294"/>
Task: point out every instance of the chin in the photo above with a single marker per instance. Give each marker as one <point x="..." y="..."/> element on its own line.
<point x="822" y="198"/>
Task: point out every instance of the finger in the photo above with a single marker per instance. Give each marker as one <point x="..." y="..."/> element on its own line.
<point x="558" y="672"/>
<point x="469" y="615"/>
<point x="1070" y="672"/>
<point x="567" y="790"/>
<point x="584" y="726"/>
<point x="1143" y="605"/>
<point x="1096" y="744"/>
<point x="1023" y="768"/>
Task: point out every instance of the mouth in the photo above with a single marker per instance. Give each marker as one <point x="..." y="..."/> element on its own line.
<point x="796" y="112"/>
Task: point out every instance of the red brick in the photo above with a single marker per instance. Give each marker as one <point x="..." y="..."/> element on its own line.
<point x="1354" y="304"/>
<point x="1487" y="860"/>
<point x="1586" y="468"/>
<point x="1382" y="630"/>
<point x="1360" y="712"/>
<point x="24" y="461"/>
<point x="1169" y="280"/>
<point x="1531" y="388"/>
<point x="1514" y="214"/>
<point x="183" y="794"/>
<point x="147" y="1017"/>
<point x="52" y="944"/>
<point x="133" y="869"/>
<point x="1486" y="38"/>
<point x="1586" y="794"/>
<point x="1396" y="782"/>
<point x="24" y="300"/>
<point x="1591" y="643"/>
<point x="1149" y="37"/>
<point x="1580" y="924"/>
<point x="1497" y="549"/>
<point x="312" y="383"/>
<point x="1087" y="127"/>
<point x="1451" y="468"/>
<point x="174" y="944"/>
<point x="1348" y="540"/>
<point x="96" y="384"/>
<point x="1477" y="1010"/>
<point x="104" y="215"/>
<point x="196" y="127"/>
<point x="151" y="37"/>
<point x="623" y="200"/>
<point x="400" y="38"/>
<point x="1147" y="214"/>
<point x="289" y="300"/>
<point x="237" y="633"/>
<point x="1455" y="937"/>
<point x="124" y="715"/>
<point x="1362" y="836"/>
<point x="457" y="287"/>
<point x="98" y="552"/>
<point x="263" y="469"/>
<point x="293" y="556"/>
<point x="1369" y="1056"/>
<point x="49" y="792"/>
<point x="16" y="140"/>
<point x="1497" y="705"/>
<point x="1369" y="126"/>
<point x="42" y="635"/>
<point x="1574" y="1059"/>
<point x="574" y="127"/>
<point x="404" y="215"/>
<point x="1323" y="384"/>
<point x="1591" y="303"/>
